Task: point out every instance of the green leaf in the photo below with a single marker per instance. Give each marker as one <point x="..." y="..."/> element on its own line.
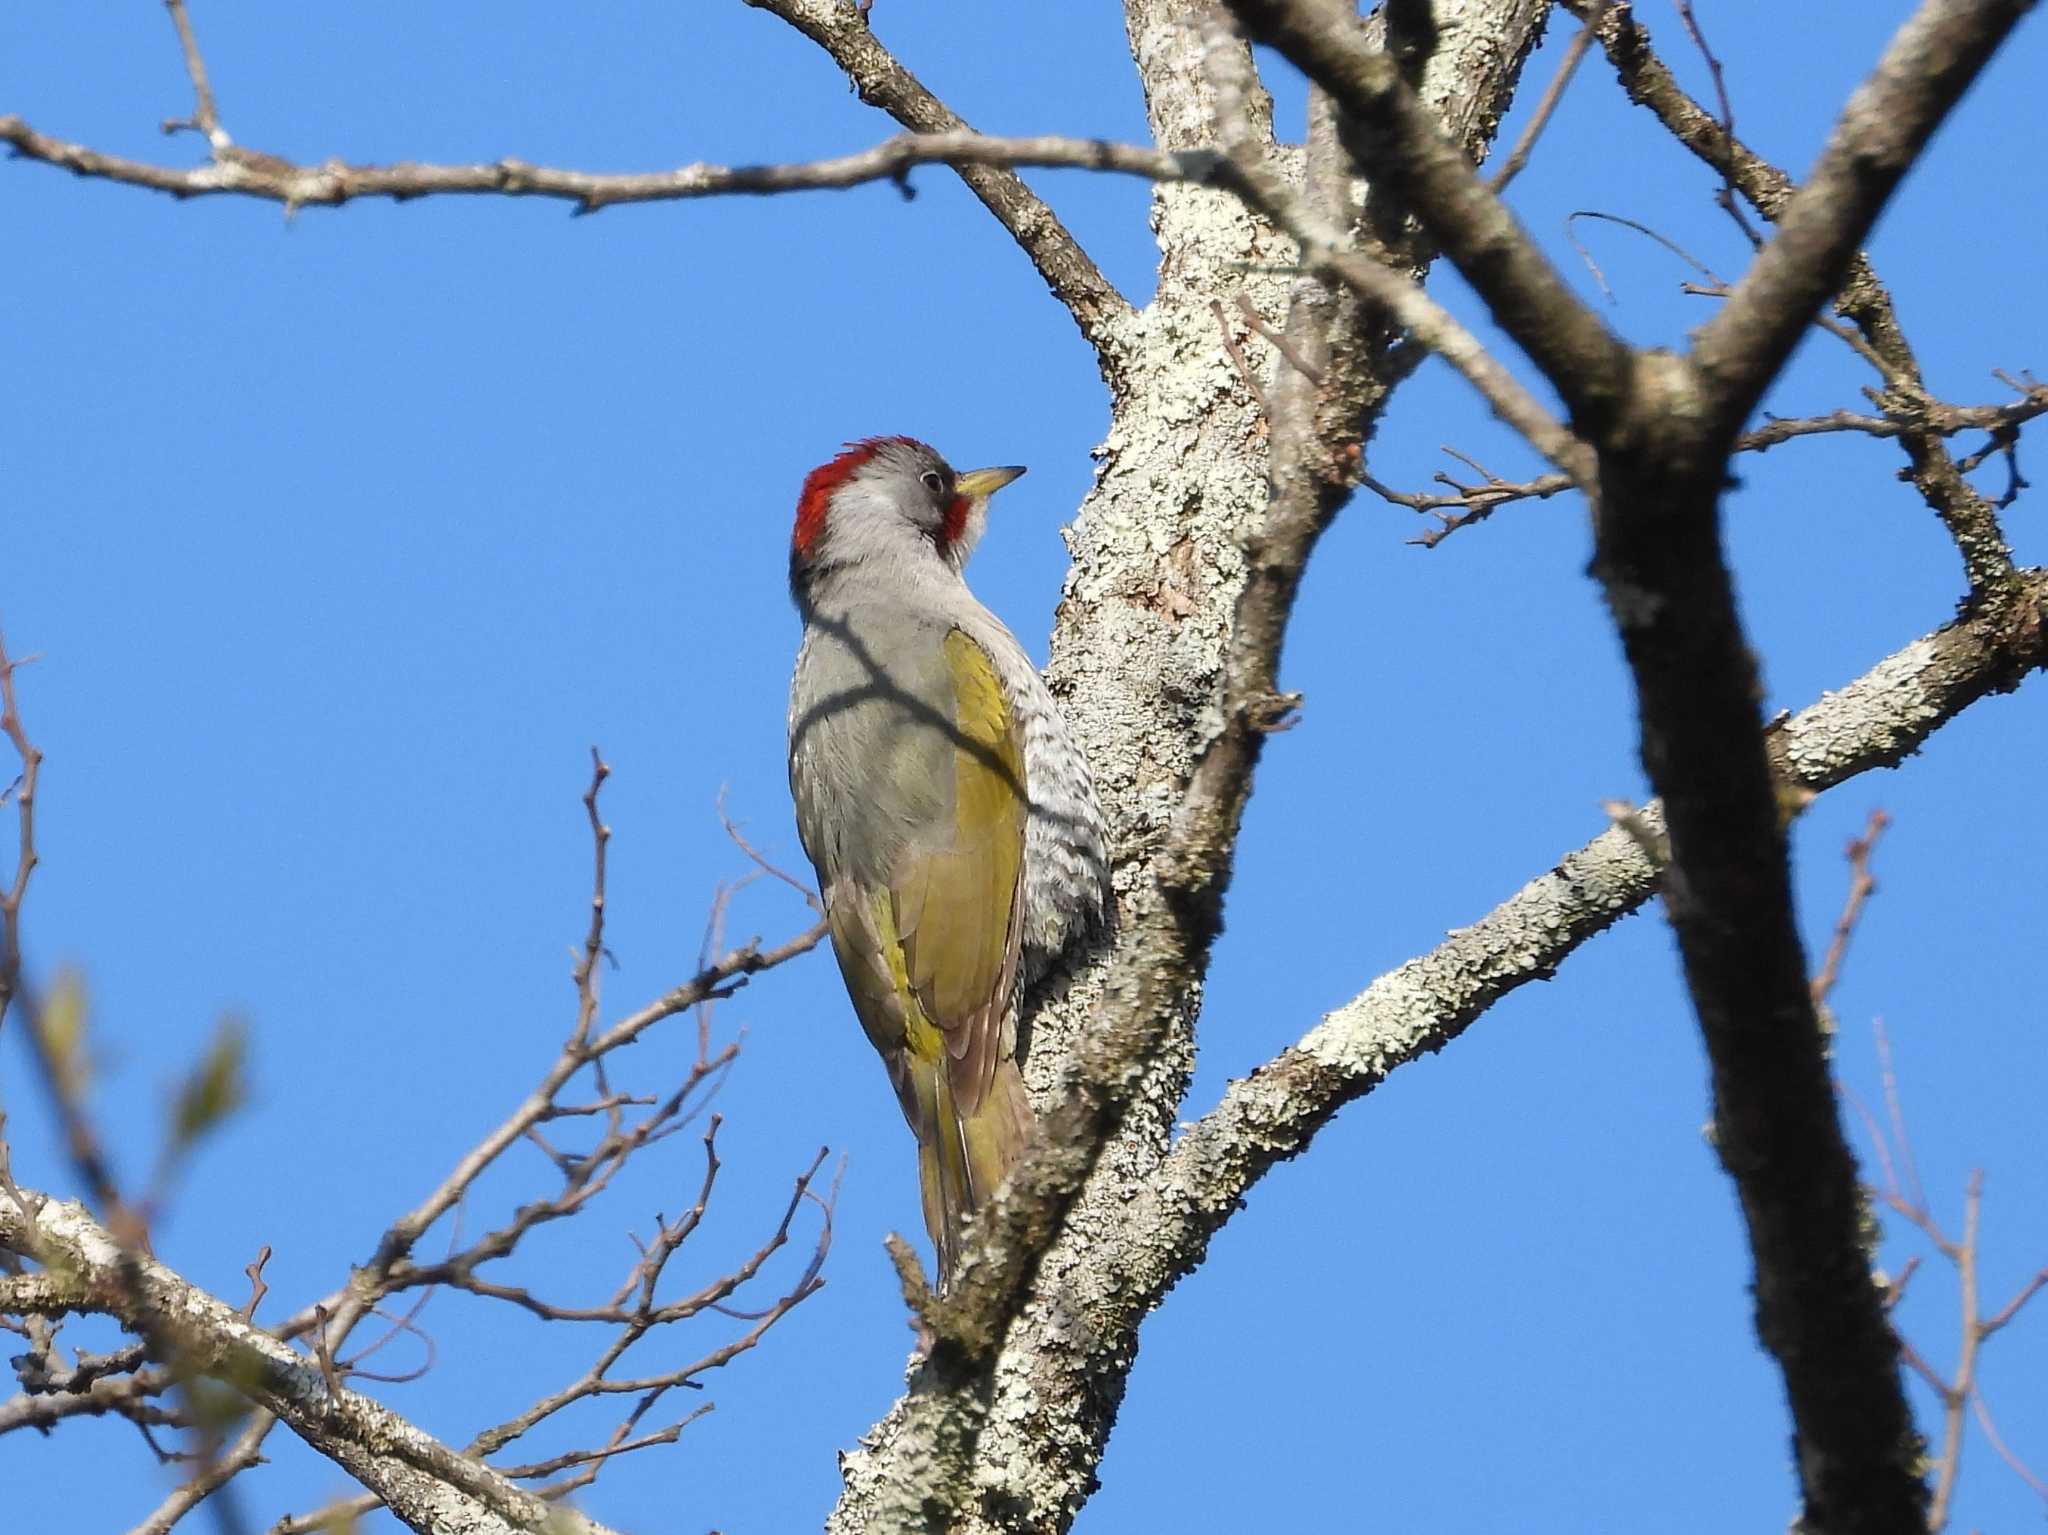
<point x="214" y="1088"/>
<point x="60" y="1024"/>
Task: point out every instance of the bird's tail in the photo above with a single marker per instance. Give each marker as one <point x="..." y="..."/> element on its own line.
<point x="965" y="1155"/>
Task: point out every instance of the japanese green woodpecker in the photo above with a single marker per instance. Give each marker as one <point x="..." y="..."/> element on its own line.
<point x="951" y="818"/>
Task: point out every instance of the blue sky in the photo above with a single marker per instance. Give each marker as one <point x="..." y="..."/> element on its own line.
<point x="343" y="538"/>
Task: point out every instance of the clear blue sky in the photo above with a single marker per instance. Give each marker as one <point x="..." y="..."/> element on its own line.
<point x="342" y="539"/>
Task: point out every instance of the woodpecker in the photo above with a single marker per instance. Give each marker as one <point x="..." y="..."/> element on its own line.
<point x="950" y="816"/>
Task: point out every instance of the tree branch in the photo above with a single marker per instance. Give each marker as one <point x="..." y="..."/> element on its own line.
<point x="842" y="31"/>
<point x="1930" y="63"/>
<point x="425" y="1483"/>
<point x="1876" y="721"/>
<point x="1728" y="895"/>
<point x="1729" y="901"/>
<point x="332" y="182"/>
<point x="1546" y="108"/>
<point x="350" y="1303"/>
<point x="1971" y="520"/>
<point x="1325" y="249"/>
<point x="1098" y="309"/>
<point x="216" y="1473"/>
<point x="205" y="118"/>
<point x="1479" y="501"/>
<point x="131" y="1395"/>
<point x="23" y="788"/>
<point x="1398" y="142"/>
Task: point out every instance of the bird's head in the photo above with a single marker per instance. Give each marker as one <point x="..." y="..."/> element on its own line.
<point x="890" y="499"/>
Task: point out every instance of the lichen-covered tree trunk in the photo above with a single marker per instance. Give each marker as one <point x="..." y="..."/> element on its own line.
<point x="1137" y="651"/>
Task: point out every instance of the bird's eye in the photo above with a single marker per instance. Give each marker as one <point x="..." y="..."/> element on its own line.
<point x="933" y="482"/>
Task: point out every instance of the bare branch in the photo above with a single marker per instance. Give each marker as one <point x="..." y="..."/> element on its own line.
<point x="23" y="789"/>
<point x="1956" y="1394"/>
<point x="1478" y="501"/>
<point x="211" y="1477"/>
<point x="1395" y="138"/>
<point x="714" y="980"/>
<point x="1325" y="250"/>
<point x="205" y="119"/>
<point x="422" y="1481"/>
<point x="1930" y="63"/>
<point x="1699" y="41"/>
<point x="763" y="863"/>
<point x="1238" y="360"/>
<point x="843" y="32"/>
<point x="643" y="1315"/>
<point x="1961" y="1392"/>
<point x="2019" y="1467"/>
<point x="1275" y="1111"/>
<point x="593" y="941"/>
<point x="1909" y="1198"/>
<point x="1729" y="901"/>
<point x="1861" y="886"/>
<point x="1717" y="287"/>
<point x="1972" y="522"/>
<point x="2012" y="1307"/>
<point x="1546" y="108"/>
<point x="133" y="1396"/>
<point x="1324" y="245"/>
<point x="534" y="1470"/>
<point x="334" y="182"/>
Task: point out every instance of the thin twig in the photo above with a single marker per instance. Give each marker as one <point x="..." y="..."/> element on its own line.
<point x="1960" y="1391"/>
<point x="2012" y="1307"/>
<point x="257" y="1288"/>
<point x="730" y="971"/>
<point x="1997" y="1441"/>
<point x="1238" y="359"/>
<point x="593" y="942"/>
<point x="407" y="1323"/>
<point x="1719" y="289"/>
<point x="246" y="1451"/>
<point x="1861" y="887"/>
<point x="762" y="862"/>
<point x="534" y="1470"/>
<point x="1477" y="501"/>
<point x="1912" y="1193"/>
<point x="1098" y="309"/>
<point x="1895" y="1292"/>
<point x="1955" y="1394"/>
<point x="25" y="860"/>
<point x="1279" y="340"/>
<point x="1971" y="520"/>
<point x="1574" y="52"/>
<point x="1729" y="194"/>
<point x="204" y="119"/>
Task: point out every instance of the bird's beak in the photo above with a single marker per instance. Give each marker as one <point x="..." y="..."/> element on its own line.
<point x="980" y="484"/>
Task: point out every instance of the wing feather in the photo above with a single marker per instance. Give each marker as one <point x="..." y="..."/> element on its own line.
<point x="959" y="890"/>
